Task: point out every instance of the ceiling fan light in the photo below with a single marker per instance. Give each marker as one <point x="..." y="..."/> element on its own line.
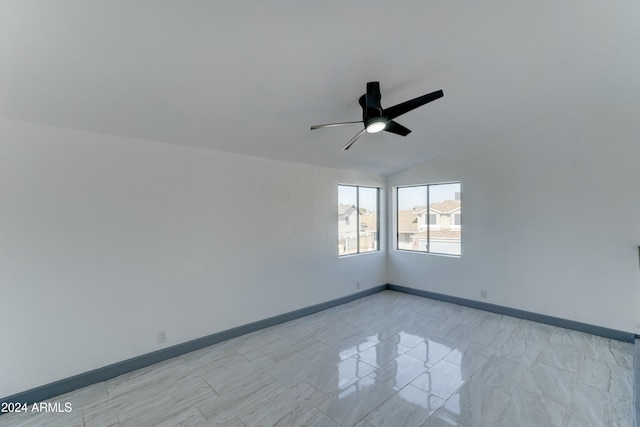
<point x="376" y="126"/>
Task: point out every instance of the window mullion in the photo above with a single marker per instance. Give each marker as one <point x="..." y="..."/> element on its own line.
<point x="358" y="219"/>
<point x="428" y="221"/>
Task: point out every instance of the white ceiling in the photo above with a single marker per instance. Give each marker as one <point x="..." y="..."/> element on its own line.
<point x="252" y="76"/>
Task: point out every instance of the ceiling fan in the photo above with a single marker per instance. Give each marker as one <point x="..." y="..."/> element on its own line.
<point x="376" y="119"/>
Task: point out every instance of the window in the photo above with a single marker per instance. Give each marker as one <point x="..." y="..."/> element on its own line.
<point x="429" y="218"/>
<point x="358" y="222"/>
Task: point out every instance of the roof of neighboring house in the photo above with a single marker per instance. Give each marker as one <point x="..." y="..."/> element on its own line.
<point x="344" y="209"/>
<point x="446" y="206"/>
<point x="407" y="222"/>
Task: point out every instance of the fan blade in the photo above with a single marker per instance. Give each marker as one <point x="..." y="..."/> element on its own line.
<point x="353" y="140"/>
<point x="372" y="106"/>
<point x="332" y="125"/>
<point x="397" y="128"/>
<point x="405" y="107"/>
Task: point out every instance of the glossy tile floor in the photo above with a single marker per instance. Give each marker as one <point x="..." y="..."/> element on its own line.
<point x="389" y="359"/>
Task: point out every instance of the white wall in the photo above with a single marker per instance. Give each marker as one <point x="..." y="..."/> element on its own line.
<point x="104" y="241"/>
<point x="550" y="220"/>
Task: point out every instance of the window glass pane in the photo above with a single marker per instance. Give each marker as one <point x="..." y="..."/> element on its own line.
<point x="412" y="218"/>
<point x="368" y="211"/>
<point x="347" y="220"/>
<point x="445" y="232"/>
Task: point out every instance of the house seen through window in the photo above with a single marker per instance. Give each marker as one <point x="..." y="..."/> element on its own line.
<point x="429" y="218"/>
<point x="358" y="219"/>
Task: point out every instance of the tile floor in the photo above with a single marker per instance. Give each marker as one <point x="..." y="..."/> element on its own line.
<point x="389" y="359"/>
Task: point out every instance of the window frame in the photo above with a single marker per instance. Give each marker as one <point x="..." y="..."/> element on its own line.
<point x="428" y="222"/>
<point x="377" y="245"/>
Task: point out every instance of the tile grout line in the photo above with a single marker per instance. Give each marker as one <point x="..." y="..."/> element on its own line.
<point x="202" y="415"/>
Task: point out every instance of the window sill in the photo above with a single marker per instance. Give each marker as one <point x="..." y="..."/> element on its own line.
<point x="360" y="253"/>
<point x="428" y="253"/>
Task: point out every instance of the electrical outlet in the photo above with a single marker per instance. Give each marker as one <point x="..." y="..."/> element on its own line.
<point x="162" y="337"/>
<point x="483" y="294"/>
<point x="357" y="285"/>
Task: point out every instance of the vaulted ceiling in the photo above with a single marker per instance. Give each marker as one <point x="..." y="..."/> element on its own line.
<point x="252" y="76"/>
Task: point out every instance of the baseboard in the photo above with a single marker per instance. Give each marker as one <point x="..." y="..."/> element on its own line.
<point x="636" y="380"/>
<point x="66" y="385"/>
<point x="514" y="312"/>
